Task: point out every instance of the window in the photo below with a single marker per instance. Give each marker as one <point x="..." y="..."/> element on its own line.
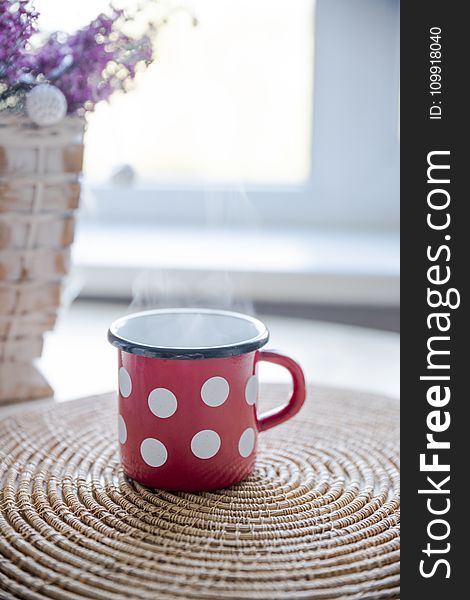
<point x="229" y="100"/>
<point x="300" y="116"/>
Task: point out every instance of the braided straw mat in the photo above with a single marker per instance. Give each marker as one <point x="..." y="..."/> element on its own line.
<point x="317" y="519"/>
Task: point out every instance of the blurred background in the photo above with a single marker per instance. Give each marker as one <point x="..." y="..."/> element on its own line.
<point x="255" y="166"/>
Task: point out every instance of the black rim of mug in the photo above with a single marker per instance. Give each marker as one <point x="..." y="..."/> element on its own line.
<point x="188" y="353"/>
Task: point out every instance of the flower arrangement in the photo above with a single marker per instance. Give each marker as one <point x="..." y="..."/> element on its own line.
<point x="42" y="80"/>
<point x="84" y="67"/>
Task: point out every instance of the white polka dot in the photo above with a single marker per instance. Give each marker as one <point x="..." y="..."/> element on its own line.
<point x="215" y="391"/>
<point x="247" y="442"/>
<point x="153" y="452"/>
<point x="205" y="444"/>
<point x="125" y="383"/>
<point x="122" y="430"/>
<point x="162" y="403"/>
<point x="251" y="390"/>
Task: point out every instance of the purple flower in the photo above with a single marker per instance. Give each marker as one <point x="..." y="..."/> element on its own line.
<point x="17" y="24"/>
<point x="93" y="63"/>
<point x="87" y="66"/>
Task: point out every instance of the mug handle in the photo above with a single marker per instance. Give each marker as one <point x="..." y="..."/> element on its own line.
<point x="278" y="415"/>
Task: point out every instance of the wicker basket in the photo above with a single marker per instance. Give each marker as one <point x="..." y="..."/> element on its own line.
<point x="40" y="172"/>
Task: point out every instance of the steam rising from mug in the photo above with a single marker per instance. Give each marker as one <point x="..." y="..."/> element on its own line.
<point x="225" y="209"/>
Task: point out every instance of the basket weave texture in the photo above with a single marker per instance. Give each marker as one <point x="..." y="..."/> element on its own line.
<point x="40" y="170"/>
<point x="318" y="518"/>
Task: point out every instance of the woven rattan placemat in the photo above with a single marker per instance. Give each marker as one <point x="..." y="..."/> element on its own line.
<point x="317" y="519"/>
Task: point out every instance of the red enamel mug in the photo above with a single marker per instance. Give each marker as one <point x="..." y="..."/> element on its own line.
<point x="187" y="396"/>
